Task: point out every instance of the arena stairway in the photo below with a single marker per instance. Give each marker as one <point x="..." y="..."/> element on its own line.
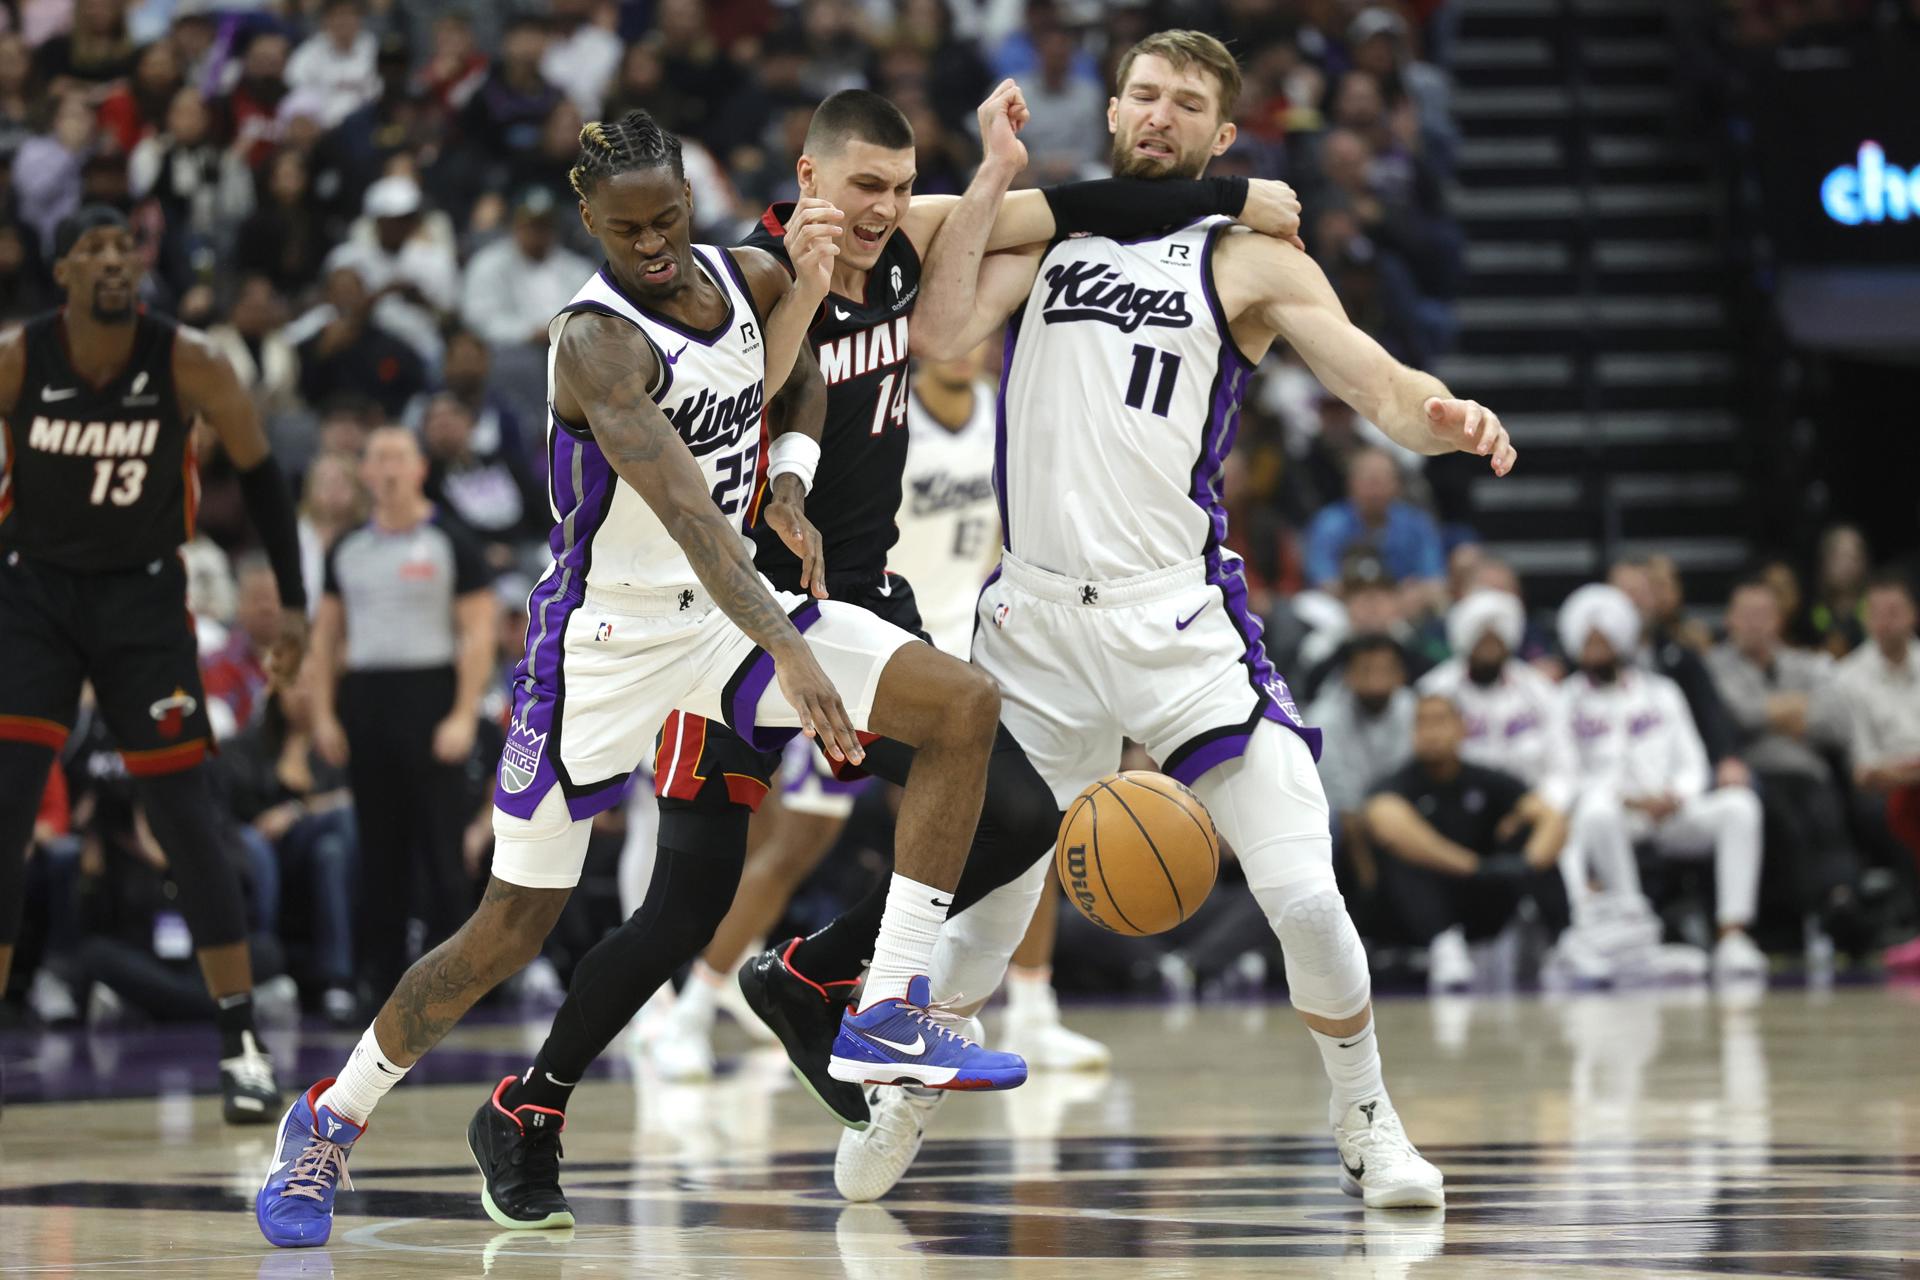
<point x="1594" y="315"/>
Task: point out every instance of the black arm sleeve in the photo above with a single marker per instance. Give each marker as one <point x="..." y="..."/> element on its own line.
<point x="270" y="508"/>
<point x="1122" y="207"/>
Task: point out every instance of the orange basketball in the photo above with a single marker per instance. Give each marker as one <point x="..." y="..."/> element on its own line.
<point x="1137" y="853"/>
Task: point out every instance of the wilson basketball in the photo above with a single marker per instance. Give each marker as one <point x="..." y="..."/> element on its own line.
<point x="1137" y="853"/>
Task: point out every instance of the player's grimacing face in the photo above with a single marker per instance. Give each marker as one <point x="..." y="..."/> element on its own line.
<point x="1166" y="123"/>
<point x="100" y="271"/>
<point x="643" y="219"/>
<point x="872" y="185"/>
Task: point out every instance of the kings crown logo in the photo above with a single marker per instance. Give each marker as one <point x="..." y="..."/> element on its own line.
<point x="1095" y="291"/>
<point x="520" y="758"/>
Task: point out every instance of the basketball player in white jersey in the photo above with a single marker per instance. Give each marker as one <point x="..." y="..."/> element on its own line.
<point x="1117" y="612"/>
<point x="657" y="378"/>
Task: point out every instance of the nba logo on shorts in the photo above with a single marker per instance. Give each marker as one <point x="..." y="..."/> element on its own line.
<point x="603" y="632"/>
<point x="1001" y="612"/>
<point x="520" y="758"/>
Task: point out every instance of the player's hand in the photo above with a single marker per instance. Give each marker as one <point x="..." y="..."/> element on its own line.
<point x="289" y="649"/>
<point x="1272" y="209"/>
<point x="786" y="515"/>
<point x="822" y="715"/>
<point x="1001" y="117"/>
<point x="330" y="740"/>
<point x="1471" y="428"/>
<point x="453" y="738"/>
<point x="813" y="243"/>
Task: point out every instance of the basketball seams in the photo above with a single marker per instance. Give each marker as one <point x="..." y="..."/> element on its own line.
<point x="1093" y="848"/>
<point x="1211" y="836"/>
<point x="1178" y="906"/>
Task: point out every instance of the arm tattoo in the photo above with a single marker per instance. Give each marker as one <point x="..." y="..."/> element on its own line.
<point x="609" y="371"/>
<point x="801" y="403"/>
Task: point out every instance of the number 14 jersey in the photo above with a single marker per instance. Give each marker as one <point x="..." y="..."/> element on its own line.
<point x="1120" y="401"/>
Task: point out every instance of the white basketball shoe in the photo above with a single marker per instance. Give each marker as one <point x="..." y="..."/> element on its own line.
<point x="871" y="1161"/>
<point x="1379" y="1163"/>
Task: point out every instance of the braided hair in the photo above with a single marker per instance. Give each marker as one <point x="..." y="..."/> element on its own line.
<point x="634" y="141"/>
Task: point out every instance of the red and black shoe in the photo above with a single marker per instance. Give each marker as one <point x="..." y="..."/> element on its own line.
<point x="806" y="1016"/>
<point x="518" y="1152"/>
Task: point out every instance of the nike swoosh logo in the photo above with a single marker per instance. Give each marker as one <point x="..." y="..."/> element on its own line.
<point x="1355" y="1174"/>
<point x="841" y="313"/>
<point x="918" y="1047"/>
<point x="675" y="357"/>
<point x="49" y="395"/>
<point x="277" y="1168"/>
<point x="1183" y="625"/>
<point x="943" y="905"/>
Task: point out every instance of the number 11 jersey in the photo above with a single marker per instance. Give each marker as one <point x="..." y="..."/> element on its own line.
<point x="1119" y="402"/>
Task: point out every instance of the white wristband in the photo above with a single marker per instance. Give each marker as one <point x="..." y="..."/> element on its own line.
<point x="797" y="454"/>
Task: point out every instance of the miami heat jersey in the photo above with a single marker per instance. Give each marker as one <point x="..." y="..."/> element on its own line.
<point x="862" y="348"/>
<point x="949" y="525"/>
<point x="711" y="386"/>
<point x="97" y="478"/>
<point x="1120" y="401"/>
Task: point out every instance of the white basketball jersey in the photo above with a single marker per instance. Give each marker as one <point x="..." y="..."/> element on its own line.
<point x="712" y="388"/>
<point x="949" y="524"/>
<point x="1121" y="398"/>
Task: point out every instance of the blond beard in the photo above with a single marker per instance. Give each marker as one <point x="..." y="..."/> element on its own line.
<point x="1126" y="164"/>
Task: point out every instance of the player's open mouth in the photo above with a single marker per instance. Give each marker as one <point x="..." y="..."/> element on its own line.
<point x="869" y="235"/>
<point x="659" y="272"/>
<point x="1158" y="148"/>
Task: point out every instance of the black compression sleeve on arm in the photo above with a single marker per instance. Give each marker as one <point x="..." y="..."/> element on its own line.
<point x="270" y="507"/>
<point x="1122" y="207"/>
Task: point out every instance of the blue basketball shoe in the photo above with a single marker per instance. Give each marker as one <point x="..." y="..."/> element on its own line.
<point x="906" y="1042"/>
<point x="295" y="1204"/>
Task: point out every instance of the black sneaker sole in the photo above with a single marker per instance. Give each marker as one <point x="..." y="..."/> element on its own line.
<point x="552" y="1221"/>
<point x="844" y="1102"/>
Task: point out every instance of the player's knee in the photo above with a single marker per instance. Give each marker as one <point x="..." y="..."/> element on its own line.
<point x="513" y="922"/>
<point x="970" y="710"/>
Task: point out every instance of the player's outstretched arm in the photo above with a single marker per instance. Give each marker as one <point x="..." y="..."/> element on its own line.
<point x="210" y="388"/>
<point x="603" y="373"/>
<point x="1295" y="301"/>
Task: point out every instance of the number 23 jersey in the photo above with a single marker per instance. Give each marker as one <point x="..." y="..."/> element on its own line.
<point x="711" y="387"/>
<point x="1121" y="400"/>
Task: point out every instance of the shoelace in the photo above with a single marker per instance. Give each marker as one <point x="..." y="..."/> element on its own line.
<point x="538" y="1155"/>
<point x="942" y="1016"/>
<point x="315" y="1167"/>
<point x="1384" y="1141"/>
<point x="894" y="1119"/>
<point x="252" y="1071"/>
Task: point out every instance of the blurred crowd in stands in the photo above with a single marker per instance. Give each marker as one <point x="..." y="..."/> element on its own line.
<point x="367" y="204"/>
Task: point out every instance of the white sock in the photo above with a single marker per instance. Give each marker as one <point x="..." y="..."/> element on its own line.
<point x="1030" y="992"/>
<point x="1353" y="1065"/>
<point x="363" y="1081"/>
<point x="694" y="1005"/>
<point x="908" y="931"/>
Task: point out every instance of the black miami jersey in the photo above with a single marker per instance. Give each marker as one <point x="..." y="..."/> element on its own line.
<point x="97" y="478"/>
<point x="861" y="345"/>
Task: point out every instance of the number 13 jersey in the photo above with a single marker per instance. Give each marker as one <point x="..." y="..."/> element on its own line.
<point x="1119" y="401"/>
<point x="97" y="478"/>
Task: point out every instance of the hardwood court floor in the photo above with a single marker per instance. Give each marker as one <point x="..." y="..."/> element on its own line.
<point x="1667" y="1134"/>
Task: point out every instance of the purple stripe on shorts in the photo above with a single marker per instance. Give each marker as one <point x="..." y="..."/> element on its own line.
<point x="1190" y="770"/>
<point x="1000" y="428"/>
<point x="747" y="693"/>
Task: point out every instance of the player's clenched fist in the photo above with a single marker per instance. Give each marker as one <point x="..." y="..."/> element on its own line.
<point x="813" y="242"/>
<point x="1471" y="427"/>
<point x="1272" y="209"/>
<point x="1001" y="117"/>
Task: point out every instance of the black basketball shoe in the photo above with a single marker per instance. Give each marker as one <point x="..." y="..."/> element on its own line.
<point x="519" y="1153"/>
<point x="806" y="1016"/>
